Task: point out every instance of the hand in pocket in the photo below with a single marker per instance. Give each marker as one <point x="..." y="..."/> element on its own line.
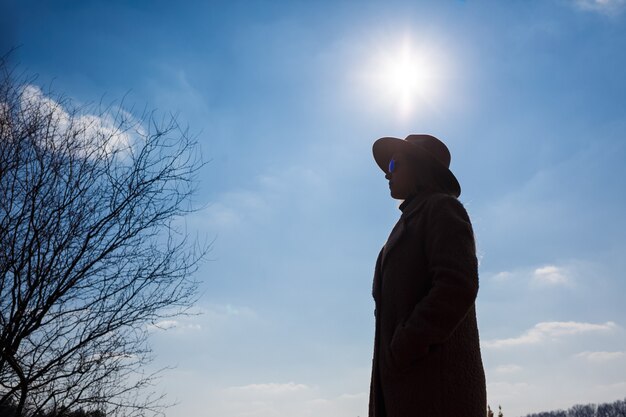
<point x="405" y="352"/>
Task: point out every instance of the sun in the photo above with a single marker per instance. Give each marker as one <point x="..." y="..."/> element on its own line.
<point x="406" y="76"/>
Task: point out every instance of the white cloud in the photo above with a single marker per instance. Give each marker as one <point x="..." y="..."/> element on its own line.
<point x="550" y="275"/>
<point x="270" y="389"/>
<point x="608" y="7"/>
<point x="357" y="396"/>
<point x="600" y="356"/>
<point x="212" y="321"/>
<point x="508" y="369"/>
<point x="33" y="99"/>
<point x="547" y="331"/>
<point x="538" y="276"/>
<point x="502" y="276"/>
<point x="224" y="311"/>
<point x="505" y="392"/>
<point x="99" y="130"/>
<point x="507" y="386"/>
<point x="618" y="387"/>
<point x="166" y="324"/>
<point x="173" y="324"/>
<point x="274" y="399"/>
<point x="208" y="318"/>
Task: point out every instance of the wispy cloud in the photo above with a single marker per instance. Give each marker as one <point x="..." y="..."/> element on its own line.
<point x="508" y="369"/>
<point x="608" y="7"/>
<point x="541" y="276"/>
<point x="174" y="324"/>
<point x="274" y="399"/>
<point x="271" y="388"/>
<point x="547" y="331"/>
<point x="165" y="324"/>
<point x="502" y="276"/>
<point x="225" y="315"/>
<point x="208" y="318"/>
<point x="507" y="391"/>
<point x="265" y="200"/>
<point x="601" y="356"/>
<point x="550" y="275"/>
<point x="357" y="396"/>
<point x="618" y="387"/>
<point x="235" y="207"/>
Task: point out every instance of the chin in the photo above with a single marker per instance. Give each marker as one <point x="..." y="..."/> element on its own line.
<point x="394" y="194"/>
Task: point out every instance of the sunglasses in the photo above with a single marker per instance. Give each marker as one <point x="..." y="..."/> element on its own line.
<point x="393" y="165"/>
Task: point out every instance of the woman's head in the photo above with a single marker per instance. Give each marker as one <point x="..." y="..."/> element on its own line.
<point x="419" y="162"/>
<point x="409" y="174"/>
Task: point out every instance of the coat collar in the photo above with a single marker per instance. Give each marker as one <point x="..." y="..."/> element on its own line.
<point x="411" y="205"/>
<point x="409" y="208"/>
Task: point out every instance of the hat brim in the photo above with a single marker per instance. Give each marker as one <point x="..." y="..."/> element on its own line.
<point x="384" y="148"/>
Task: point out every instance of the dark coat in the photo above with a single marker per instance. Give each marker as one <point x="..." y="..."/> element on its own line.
<point x="426" y="352"/>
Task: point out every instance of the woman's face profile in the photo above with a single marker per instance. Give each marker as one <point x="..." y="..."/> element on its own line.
<point x="401" y="176"/>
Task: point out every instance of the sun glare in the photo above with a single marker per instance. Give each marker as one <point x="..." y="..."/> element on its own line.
<point x="406" y="77"/>
<point x="405" y="74"/>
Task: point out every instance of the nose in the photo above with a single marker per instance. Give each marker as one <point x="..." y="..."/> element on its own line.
<point x="388" y="175"/>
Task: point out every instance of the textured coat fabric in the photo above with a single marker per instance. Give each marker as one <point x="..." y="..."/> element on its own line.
<point x="427" y="358"/>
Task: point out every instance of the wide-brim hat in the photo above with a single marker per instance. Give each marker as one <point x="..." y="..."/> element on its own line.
<point x="426" y="148"/>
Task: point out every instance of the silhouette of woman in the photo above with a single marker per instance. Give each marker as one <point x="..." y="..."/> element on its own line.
<point x="427" y="358"/>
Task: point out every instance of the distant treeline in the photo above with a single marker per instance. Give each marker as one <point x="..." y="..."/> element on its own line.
<point x="614" y="409"/>
<point x="10" y="410"/>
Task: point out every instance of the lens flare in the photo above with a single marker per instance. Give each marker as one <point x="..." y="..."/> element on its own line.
<point x="406" y="75"/>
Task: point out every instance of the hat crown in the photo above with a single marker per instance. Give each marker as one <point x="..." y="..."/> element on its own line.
<point x="435" y="148"/>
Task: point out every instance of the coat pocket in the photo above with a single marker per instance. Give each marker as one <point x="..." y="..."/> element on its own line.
<point x="404" y="352"/>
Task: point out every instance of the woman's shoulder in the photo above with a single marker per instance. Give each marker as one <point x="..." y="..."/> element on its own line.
<point x="434" y="205"/>
<point x="441" y="204"/>
<point x="442" y="200"/>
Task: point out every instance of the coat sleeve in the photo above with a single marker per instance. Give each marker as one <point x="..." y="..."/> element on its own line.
<point x="453" y="269"/>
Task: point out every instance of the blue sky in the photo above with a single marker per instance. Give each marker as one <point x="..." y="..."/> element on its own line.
<point x="287" y="98"/>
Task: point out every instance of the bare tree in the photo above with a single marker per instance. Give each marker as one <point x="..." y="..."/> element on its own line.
<point x="579" y="410"/>
<point x="92" y="250"/>
<point x="615" y="409"/>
